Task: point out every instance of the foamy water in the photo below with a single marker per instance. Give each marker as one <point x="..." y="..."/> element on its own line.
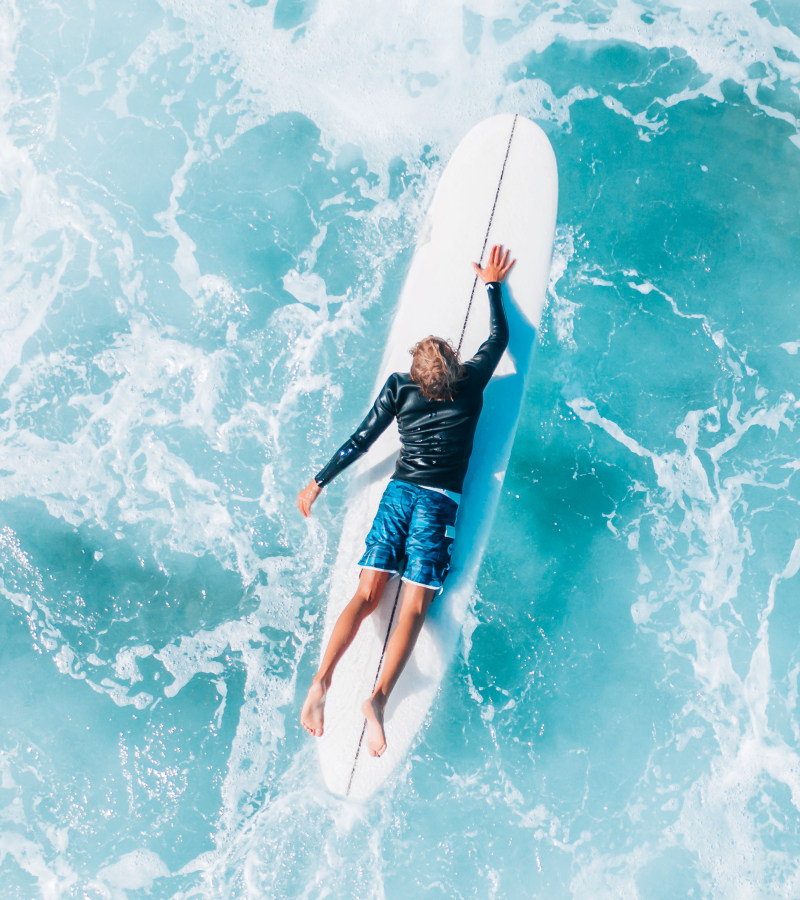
<point x="207" y="214"/>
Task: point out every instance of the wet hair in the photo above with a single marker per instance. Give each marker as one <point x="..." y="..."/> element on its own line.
<point x="436" y="368"/>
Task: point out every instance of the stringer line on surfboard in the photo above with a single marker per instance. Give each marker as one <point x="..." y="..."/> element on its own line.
<point x="461" y="339"/>
<point x="374" y="683"/>
<point x="486" y="236"/>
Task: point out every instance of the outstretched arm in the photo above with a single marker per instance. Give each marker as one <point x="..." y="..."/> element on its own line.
<point x="491" y="350"/>
<point x="376" y="422"/>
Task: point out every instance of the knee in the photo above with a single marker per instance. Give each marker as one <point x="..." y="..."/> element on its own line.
<point x="366" y="599"/>
<point x="416" y="605"/>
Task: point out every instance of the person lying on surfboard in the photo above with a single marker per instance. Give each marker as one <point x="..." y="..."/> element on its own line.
<point x="436" y="405"/>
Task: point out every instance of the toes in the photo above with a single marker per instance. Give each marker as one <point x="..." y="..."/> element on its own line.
<point x="312" y="730"/>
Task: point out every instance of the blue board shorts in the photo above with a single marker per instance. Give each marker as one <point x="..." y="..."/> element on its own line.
<point x="417" y="523"/>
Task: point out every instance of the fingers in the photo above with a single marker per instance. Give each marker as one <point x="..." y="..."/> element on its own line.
<point x="497" y="266"/>
<point x="498" y="257"/>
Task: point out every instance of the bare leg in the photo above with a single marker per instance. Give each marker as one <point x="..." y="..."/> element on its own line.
<point x="416" y="600"/>
<point x="365" y="601"/>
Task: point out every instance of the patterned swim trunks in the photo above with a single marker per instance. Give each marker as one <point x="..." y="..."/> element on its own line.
<point x="417" y="523"/>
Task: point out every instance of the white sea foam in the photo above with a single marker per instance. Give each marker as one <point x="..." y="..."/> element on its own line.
<point x="135" y="871"/>
<point x="433" y="86"/>
<point x="562" y="309"/>
<point x="714" y="815"/>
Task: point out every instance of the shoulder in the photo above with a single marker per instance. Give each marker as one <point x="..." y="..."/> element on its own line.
<point x="405" y="393"/>
<point x="394" y="381"/>
<point x="393" y="388"/>
<point x="397" y="381"/>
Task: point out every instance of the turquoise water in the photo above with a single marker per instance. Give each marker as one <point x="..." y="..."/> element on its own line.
<point x="207" y="213"/>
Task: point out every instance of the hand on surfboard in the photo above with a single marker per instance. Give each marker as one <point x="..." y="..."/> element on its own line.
<point x="307" y="496"/>
<point x="498" y="266"/>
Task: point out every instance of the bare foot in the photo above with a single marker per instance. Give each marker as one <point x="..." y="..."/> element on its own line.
<point x="313" y="713"/>
<point x="376" y="739"/>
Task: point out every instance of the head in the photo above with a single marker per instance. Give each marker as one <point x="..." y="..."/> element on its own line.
<point x="436" y="368"/>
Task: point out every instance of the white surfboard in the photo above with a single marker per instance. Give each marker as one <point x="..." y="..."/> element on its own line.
<point x="501" y="186"/>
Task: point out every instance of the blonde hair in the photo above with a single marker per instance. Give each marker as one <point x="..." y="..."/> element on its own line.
<point x="436" y="368"/>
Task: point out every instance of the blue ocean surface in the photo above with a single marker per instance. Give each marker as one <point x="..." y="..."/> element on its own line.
<point x="207" y="212"/>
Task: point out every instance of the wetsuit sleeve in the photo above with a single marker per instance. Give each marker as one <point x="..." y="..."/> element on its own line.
<point x="377" y="420"/>
<point x="488" y="356"/>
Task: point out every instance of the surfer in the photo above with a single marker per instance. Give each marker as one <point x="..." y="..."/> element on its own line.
<point x="436" y="405"/>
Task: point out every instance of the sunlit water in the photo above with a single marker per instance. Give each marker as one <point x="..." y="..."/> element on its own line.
<point x="207" y="213"/>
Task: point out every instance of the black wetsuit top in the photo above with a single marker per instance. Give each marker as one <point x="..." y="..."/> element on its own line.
<point x="436" y="435"/>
